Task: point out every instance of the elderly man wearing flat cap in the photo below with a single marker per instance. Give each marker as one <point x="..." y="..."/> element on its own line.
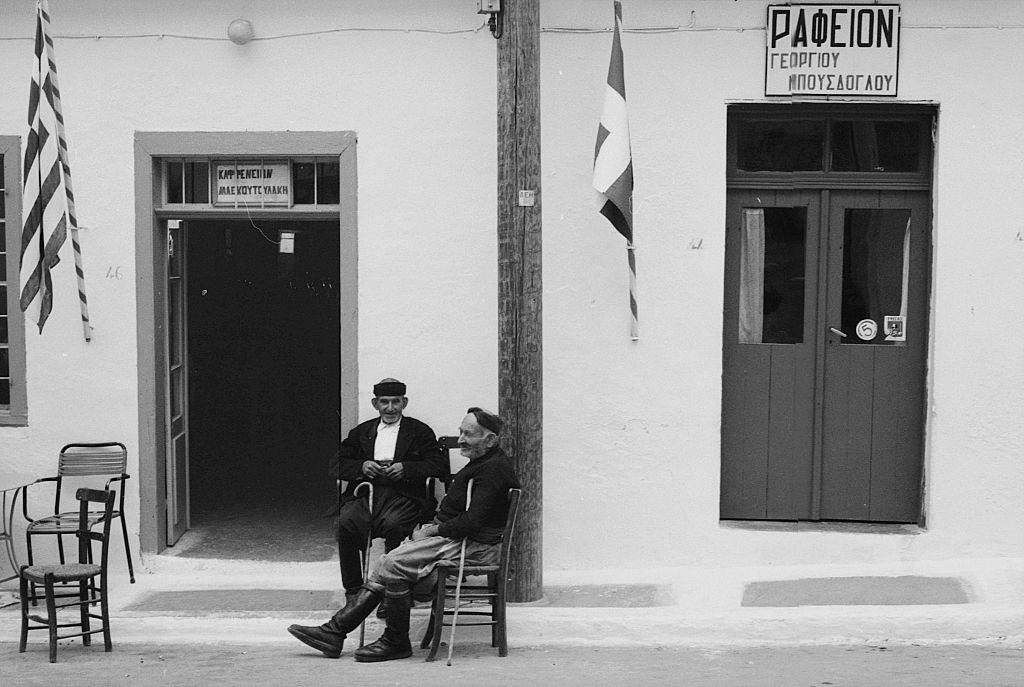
<point x="413" y="562"/>
<point x="396" y="454"/>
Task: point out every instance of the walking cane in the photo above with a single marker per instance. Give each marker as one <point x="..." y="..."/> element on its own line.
<point x="458" y="582"/>
<point x="366" y="553"/>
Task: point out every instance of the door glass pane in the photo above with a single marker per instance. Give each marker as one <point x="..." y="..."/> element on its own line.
<point x="197" y="182"/>
<point x="780" y="146"/>
<point x="876" y="254"/>
<point x="772" y="249"/>
<point x="174" y="320"/>
<point x="174" y="182"/>
<point x="876" y="146"/>
<point x="303" y="183"/>
<point x="328" y="180"/>
<point x="176" y="396"/>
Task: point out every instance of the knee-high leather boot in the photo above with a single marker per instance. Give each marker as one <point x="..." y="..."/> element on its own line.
<point x="329" y="638"/>
<point x="394" y="643"/>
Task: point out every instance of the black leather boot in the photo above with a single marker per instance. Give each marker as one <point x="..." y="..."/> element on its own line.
<point x="351" y="566"/>
<point x="394" y="643"/>
<point x="329" y="638"/>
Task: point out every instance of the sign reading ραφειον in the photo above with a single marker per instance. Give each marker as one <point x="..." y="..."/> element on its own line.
<point x="253" y="183"/>
<point x="833" y="50"/>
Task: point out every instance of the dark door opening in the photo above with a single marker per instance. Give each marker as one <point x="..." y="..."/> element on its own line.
<point x="263" y="355"/>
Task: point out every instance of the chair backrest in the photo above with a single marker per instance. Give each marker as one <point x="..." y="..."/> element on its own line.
<point x="86" y="535"/>
<point x="90" y="460"/>
<point x="449" y="444"/>
<point x="510" y="527"/>
<point x="77" y="460"/>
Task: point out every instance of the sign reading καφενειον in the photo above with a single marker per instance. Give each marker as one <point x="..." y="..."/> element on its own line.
<point x="253" y="183"/>
<point x="833" y="50"/>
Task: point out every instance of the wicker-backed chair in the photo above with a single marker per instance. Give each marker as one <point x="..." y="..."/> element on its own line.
<point x="492" y="591"/>
<point x="83" y="573"/>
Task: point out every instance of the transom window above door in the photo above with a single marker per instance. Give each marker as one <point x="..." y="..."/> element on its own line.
<point x="251" y="182"/>
<point x="830" y="143"/>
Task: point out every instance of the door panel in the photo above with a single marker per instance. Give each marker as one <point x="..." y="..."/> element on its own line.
<point x="823" y="418"/>
<point x="768" y="380"/>
<point x="177" y="384"/>
<point x="872" y="439"/>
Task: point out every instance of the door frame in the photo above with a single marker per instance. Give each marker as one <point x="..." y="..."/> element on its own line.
<point x="151" y="279"/>
<point x="827" y="182"/>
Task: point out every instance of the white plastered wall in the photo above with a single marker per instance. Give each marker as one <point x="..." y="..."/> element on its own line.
<point x="631" y="438"/>
<point x="422" y="103"/>
<point x="639" y="423"/>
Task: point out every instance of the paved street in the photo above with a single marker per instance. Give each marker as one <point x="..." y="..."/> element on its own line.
<point x="990" y="664"/>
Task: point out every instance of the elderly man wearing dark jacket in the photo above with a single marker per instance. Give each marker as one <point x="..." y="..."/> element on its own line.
<point x="396" y="454"/>
<point x="481" y="524"/>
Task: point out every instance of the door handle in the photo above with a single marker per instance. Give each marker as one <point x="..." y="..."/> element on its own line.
<point x="836" y="331"/>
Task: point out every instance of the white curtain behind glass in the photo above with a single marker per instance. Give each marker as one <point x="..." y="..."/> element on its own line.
<point x="752" y="276"/>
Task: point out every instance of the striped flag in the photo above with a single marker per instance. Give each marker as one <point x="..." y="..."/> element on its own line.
<point x="613" y="161"/>
<point x="49" y="207"/>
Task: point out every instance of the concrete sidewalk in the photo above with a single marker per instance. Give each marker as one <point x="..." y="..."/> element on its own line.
<point x="184" y="600"/>
<point x="987" y="664"/>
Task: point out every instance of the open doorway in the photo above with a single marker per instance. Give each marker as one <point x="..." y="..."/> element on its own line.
<point x="263" y="342"/>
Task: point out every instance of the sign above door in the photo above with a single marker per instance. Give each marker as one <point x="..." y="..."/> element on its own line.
<point x="264" y="183"/>
<point x="832" y="50"/>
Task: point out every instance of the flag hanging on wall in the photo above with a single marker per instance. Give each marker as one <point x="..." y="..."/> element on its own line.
<point x="49" y="205"/>
<point x="613" y="161"/>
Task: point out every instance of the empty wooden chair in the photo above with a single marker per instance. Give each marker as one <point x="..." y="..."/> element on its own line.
<point x="84" y="573"/>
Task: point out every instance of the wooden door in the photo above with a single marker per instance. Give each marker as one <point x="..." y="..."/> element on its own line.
<point x="874" y="360"/>
<point x="768" y="381"/>
<point x="177" y="384"/>
<point x="822" y="419"/>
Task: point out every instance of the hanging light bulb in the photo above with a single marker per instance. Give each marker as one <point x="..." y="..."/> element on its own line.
<point x="240" y="31"/>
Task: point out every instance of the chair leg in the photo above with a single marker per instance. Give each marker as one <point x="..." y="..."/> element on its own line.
<point x="83" y="609"/>
<point x="51" y="615"/>
<point x="428" y="634"/>
<point x="105" y="613"/>
<point x="437" y="613"/>
<point x="492" y="584"/>
<point x="499" y="618"/>
<point x="28" y="551"/>
<point x="23" y="591"/>
<point x="127" y="549"/>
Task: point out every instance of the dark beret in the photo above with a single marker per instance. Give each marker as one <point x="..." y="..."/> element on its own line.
<point x="487" y="420"/>
<point x="389" y="389"/>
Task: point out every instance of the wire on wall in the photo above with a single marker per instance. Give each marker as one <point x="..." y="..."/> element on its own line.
<point x="691" y="26"/>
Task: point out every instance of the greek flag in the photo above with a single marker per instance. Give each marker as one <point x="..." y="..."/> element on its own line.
<point x="613" y="160"/>
<point x="49" y="208"/>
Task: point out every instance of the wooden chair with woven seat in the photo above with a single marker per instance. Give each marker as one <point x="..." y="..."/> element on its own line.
<point x="84" y="573"/>
<point x="491" y="591"/>
<point x="86" y="461"/>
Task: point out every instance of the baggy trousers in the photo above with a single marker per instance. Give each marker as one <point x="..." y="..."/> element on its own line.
<point x="412" y="563"/>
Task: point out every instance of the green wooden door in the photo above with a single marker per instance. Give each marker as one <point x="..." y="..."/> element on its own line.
<point x="874" y="360"/>
<point x="822" y="415"/>
<point x="177" y="384"/>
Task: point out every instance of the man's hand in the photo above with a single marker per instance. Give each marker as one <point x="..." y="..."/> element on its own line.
<point x="372" y="469"/>
<point x="394" y="472"/>
<point x="430" y="530"/>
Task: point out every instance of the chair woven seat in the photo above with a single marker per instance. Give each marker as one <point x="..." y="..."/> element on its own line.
<point x="469" y="569"/>
<point x="63" y="572"/>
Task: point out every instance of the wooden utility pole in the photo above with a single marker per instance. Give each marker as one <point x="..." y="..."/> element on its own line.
<point x="520" y="363"/>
